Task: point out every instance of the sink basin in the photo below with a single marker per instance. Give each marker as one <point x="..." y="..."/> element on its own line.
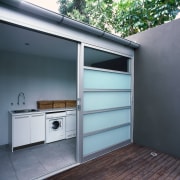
<point x="25" y="110"/>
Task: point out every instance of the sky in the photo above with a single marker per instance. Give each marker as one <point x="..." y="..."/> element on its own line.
<point x="178" y="16"/>
<point x="47" y="4"/>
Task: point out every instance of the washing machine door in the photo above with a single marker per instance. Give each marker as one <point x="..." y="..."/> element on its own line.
<point x="56" y="125"/>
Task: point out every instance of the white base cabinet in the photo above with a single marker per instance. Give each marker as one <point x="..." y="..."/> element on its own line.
<point x="21" y="130"/>
<point x="37" y="128"/>
<point x="27" y="129"/>
<point x="70" y="124"/>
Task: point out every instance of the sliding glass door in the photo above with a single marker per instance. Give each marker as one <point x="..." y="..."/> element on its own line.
<point x="106" y="91"/>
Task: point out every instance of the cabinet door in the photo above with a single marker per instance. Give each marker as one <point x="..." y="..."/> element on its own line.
<point x="21" y="130"/>
<point x="71" y="123"/>
<point x="70" y="126"/>
<point x="37" y="128"/>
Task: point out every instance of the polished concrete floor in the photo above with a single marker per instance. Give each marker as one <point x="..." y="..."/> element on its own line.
<point x="36" y="161"/>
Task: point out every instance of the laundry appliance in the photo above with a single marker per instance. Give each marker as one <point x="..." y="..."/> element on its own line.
<point x="55" y="126"/>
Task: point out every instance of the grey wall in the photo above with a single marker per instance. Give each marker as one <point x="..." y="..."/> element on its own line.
<point x="40" y="78"/>
<point x="157" y="88"/>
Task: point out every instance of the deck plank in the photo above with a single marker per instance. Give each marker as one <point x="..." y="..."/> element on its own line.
<point x="132" y="162"/>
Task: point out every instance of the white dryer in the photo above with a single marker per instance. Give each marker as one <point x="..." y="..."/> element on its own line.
<point x="55" y="126"/>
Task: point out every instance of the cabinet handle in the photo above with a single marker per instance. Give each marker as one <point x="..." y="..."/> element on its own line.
<point x="20" y="117"/>
<point x="37" y="115"/>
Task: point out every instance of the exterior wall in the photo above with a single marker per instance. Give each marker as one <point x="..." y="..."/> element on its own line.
<point x="157" y="88"/>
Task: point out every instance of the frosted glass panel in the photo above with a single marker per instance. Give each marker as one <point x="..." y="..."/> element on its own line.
<point x="106" y="80"/>
<point x="92" y="144"/>
<point x="105" y="100"/>
<point x="99" y="121"/>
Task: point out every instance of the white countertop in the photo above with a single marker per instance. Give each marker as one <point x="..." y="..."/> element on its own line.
<point x="57" y="109"/>
<point x="44" y="111"/>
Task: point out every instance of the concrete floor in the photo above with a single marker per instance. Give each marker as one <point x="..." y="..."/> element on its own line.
<point x="33" y="162"/>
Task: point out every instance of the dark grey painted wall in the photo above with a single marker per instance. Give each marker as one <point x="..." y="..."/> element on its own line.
<point x="157" y="88"/>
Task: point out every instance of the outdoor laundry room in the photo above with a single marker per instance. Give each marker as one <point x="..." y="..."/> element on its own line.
<point x="38" y="74"/>
<point x="51" y="64"/>
<point x="35" y="67"/>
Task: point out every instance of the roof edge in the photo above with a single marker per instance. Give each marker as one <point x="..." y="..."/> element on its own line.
<point x="47" y="14"/>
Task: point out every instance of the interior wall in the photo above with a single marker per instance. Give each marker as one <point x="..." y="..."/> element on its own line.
<point x="40" y="78"/>
<point x="157" y="88"/>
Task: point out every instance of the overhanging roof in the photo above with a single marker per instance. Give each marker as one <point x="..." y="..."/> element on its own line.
<point x="60" y="19"/>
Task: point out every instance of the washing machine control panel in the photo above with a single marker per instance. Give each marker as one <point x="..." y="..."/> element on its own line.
<point x="55" y="114"/>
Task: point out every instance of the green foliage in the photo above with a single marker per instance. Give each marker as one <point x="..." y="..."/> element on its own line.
<point x="125" y="17"/>
<point x="100" y="14"/>
<point x="74" y="9"/>
<point x="135" y="16"/>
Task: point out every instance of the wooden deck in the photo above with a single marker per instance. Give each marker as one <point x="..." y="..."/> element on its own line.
<point x="132" y="162"/>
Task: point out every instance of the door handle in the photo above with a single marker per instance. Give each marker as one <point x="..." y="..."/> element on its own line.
<point x="78" y="104"/>
<point x="78" y="107"/>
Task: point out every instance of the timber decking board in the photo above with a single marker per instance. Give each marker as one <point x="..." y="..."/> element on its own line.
<point x="132" y="162"/>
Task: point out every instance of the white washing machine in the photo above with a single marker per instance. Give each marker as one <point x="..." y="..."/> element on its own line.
<point x="55" y="126"/>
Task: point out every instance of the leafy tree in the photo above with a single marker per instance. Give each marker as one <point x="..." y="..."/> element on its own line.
<point x="135" y="16"/>
<point x="97" y="13"/>
<point x="123" y="17"/>
<point x="74" y="9"/>
<point x="100" y="14"/>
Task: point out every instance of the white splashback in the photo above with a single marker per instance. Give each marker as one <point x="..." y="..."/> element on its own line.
<point x="39" y="78"/>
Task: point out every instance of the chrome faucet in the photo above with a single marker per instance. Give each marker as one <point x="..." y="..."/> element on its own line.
<point x="19" y="95"/>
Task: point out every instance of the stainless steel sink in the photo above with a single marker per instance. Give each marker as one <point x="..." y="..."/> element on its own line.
<point x="25" y="110"/>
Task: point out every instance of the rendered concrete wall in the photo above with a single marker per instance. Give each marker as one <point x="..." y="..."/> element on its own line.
<point x="157" y="88"/>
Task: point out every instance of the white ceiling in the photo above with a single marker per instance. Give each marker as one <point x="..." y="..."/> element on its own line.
<point x="21" y="40"/>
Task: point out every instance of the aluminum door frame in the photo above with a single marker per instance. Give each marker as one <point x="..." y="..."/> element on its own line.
<point x="80" y="92"/>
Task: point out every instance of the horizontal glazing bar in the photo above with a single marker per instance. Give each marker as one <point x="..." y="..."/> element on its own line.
<point x="106" y="70"/>
<point x="105" y="130"/>
<point x="107" y="90"/>
<point x="106" y="110"/>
